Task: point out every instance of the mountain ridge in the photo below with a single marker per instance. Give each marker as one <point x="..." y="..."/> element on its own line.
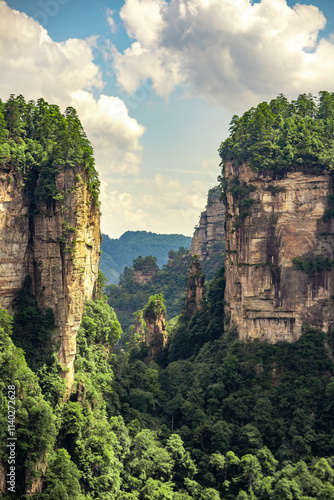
<point x="118" y="253"/>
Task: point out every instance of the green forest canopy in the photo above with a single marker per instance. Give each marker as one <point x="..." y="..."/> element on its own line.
<point x="36" y="139"/>
<point x="284" y="136"/>
<point x="117" y="253"/>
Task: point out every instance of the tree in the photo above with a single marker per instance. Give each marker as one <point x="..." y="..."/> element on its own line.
<point x="62" y="478"/>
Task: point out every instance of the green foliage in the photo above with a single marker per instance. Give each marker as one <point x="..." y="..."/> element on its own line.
<point x="37" y="141"/>
<point x="149" y="262"/>
<point x="62" y="478"/>
<point x="329" y="212"/>
<point x="242" y="410"/>
<point x="154" y="307"/>
<point x="129" y="296"/>
<point x="282" y="136"/>
<point x="240" y="193"/>
<point x="312" y="265"/>
<point x="85" y="432"/>
<point x="33" y="331"/>
<point x="120" y="253"/>
<point x="35" y="428"/>
<point x="274" y="189"/>
<point x="189" y="336"/>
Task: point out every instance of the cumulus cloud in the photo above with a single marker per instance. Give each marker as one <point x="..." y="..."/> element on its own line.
<point x="113" y="133"/>
<point x="165" y="205"/>
<point x="234" y="52"/>
<point x="33" y="65"/>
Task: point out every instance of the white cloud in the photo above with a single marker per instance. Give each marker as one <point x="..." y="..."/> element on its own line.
<point x="159" y="204"/>
<point x="229" y="51"/>
<point x="112" y="132"/>
<point x="111" y="21"/>
<point x="144" y="19"/>
<point x="33" y="65"/>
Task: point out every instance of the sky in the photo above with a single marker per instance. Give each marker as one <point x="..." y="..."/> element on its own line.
<point x="156" y="83"/>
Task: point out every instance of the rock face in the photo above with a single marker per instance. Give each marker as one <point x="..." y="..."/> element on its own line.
<point x="209" y="234"/>
<point x="195" y="288"/>
<point x="3" y="482"/>
<point x="156" y="334"/>
<point x="144" y="275"/>
<point x="267" y="295"/>
<point x="57" y="244"/>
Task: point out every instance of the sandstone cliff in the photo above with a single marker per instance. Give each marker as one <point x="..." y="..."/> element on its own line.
<point x="269" y="224"/>
<point x="57" y="244"/>
<point x="144" y="276"/>
<point x="154" y="315"/>
<point x="209" y="234"/>
<point x="195" y="289"/>
<point x="144" y="269"/>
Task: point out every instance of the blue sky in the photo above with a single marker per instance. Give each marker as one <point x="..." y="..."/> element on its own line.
<point x="156" y="84"/>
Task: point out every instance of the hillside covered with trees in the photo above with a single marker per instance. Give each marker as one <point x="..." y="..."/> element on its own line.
<point x="118" y="253"/>
<point x="215" y="417"/>
<point x="129" y="296"/>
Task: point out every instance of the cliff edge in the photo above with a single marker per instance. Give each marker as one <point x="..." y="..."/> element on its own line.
<point x="57" y="246"/>
<point x="209" y="234"/>
<point x="279" y="219"/>
<point x="49" y="217"/>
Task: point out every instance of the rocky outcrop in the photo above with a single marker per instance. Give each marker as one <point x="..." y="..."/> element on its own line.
<point x="144" y="269"/>
<point x="209" y="235"/>
<point x="269" y="224"/>
<point x="154" y="315"/>
<point x="144" y="276"/>
<point x="3" y="482"/>
<point x="139" y="327"/>
<point x="57" y="244"/>
<point x="195" y="289"/>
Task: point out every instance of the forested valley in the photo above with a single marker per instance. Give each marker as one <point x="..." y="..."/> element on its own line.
<point x="211" y="416"/>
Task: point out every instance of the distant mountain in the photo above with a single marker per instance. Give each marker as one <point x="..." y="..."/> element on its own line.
<point x="120" y="252"/>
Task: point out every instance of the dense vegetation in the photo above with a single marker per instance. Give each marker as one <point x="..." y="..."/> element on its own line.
<point x="130" y="296"/>
<point x="37" y="140"/>
<point x="283" y="136"/>
<point x="256" y="407"/>
<point x="217" y="418"/>
<point x="223" y="419"/>
<point x="119" y="253"/>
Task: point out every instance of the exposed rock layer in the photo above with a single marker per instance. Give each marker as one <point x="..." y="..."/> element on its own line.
<point x="209" y="234"/>
<point x="57" y="244"/>
<point x="156" y="335"/>
<point x="266" y="295"/>
<point x="145" y="275"/>
<point x="195" y="289"/>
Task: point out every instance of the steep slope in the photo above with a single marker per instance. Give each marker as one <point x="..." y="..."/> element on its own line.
<point x="210" y="230"/>
<point x="50" y="219"/>
<point x="279" y="220"/>
<point x="269" y="296"/>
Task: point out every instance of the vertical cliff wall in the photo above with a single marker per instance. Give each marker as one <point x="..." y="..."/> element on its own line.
<point x="57" y="244"/>
<point x="210" y="230"/>
<point x="195" y="289"/>
<point x="154" y="314"/>
<point x="269" y="224"/>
